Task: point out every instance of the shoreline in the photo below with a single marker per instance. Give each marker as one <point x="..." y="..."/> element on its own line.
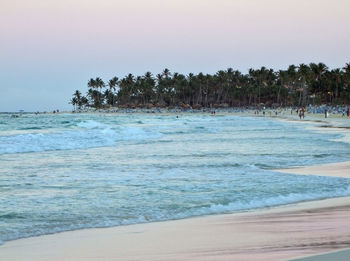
<point x="263" y="234"/>
<point x="341" y="169"/>
<point x="276" y="233"/>
<point x="334" y="111"/>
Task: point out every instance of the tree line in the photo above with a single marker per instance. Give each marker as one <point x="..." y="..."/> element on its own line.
<point x="296" y="86"/>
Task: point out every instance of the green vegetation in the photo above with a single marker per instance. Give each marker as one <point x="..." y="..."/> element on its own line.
<point x="296" y="86"/>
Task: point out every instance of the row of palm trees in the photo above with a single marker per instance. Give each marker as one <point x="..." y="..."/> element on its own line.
<point x="296" y="86"/>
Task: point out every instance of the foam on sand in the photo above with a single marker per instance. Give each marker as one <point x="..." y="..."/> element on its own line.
<point x="273" y="234"/>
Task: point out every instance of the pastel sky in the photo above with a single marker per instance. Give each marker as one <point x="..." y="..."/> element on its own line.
<point x="49" y="48"/>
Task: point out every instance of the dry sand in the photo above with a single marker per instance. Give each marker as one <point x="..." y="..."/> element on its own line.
<point x="279" y="233"/>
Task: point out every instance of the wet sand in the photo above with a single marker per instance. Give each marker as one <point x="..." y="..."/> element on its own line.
<point x="333" y="169"/>
<point x="280" y="233"/>
<point x="272" y="234"/>
<point x="342" y="255"/>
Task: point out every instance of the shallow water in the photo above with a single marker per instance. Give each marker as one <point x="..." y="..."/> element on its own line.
<point x="71" y="171"/>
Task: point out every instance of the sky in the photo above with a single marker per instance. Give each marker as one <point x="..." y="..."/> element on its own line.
<point x="50" y="48"/>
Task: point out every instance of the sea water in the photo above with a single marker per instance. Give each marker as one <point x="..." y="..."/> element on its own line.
<point x="73" y="171"/>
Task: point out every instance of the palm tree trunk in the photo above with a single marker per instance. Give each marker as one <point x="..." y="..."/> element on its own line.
<point x="279" y="93"/>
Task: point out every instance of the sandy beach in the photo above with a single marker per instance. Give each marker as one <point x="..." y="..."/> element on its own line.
<point x="176" y="130"/>
<point x="279" y="233"/>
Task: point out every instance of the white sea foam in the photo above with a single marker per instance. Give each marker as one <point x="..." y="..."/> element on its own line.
<point x="91" y="124"/>
<point x="160" y="215"/>
<point x="152" y="168"/>
<point x="274" y="201"/>
<point x="91" y="134"/>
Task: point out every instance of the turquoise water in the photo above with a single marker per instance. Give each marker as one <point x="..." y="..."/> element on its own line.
<point x="73" y="171"/>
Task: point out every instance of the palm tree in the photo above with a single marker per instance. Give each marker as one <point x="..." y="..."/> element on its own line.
<point x="282" y="83"/>
<point x="346" y="84"/>
<point x="112" y="84"/>
<point x="166" y="73"/>
<point x="95" y="97"/>
<point x="93" y="93"/>
<point x="74" y="102"/>
<point x="78" y="99"/>
<point x="99" y="85"/>
<point x="318" y="71"/>
<point x="201" y="82"/>
<point x="92" y="83"/>
<point x="109" y="96"/>
<point x="148" y="87"/>
<point x="292" y="86"/>
<point x="84" y="101"/>
<point x="252" y="78"/>
<point x="126" y="93"/>
<point x="304" y="77"/>
<point x="338" y="81"/>
<point x="77" y="94"/>
<point x="165" y="87"/>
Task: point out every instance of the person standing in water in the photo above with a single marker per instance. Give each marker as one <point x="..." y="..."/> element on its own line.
<point x="303" y="112"/>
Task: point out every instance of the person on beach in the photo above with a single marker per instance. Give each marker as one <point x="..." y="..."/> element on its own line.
<point x="347" y="112"/>
<point x="303" y="112"/>
<point x="325" y="113"/>
<point x="300" y="114"/>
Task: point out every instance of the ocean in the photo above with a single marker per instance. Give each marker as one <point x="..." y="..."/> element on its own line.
<point x="61" y="172"/>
